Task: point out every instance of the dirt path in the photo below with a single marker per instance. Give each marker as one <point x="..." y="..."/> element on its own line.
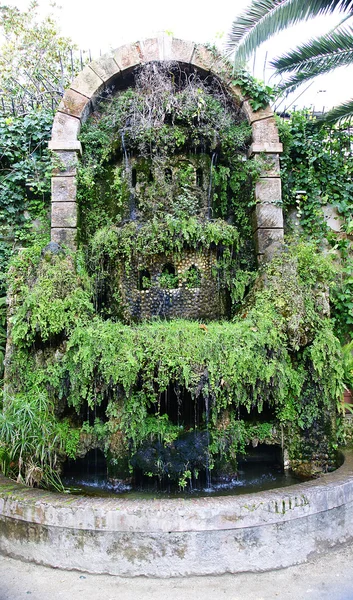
<point x="329" y="577"/>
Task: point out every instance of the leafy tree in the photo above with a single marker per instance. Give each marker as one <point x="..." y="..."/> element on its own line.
<point x="36" y="62"/>
<point x="36" y="65"/>
<point x="264" y="18"/>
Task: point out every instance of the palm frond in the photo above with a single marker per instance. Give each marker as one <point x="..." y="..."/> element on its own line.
<point x="292" y="83"/>
<point x="327" y="52"/>
<point x="340" y="113"/>
<point x="263" y="18"/>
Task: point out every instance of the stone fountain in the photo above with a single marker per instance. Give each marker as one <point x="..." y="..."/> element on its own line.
<point x="172" y="284"/>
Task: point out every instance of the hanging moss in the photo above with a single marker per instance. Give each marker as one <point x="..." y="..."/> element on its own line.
<point x="164" y="178"/>
<point x="257" y="360"/>
<point x="171" y="122"/>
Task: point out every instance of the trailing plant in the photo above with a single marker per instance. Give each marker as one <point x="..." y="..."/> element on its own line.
<point x="260" y="95"/>
<point x="275" y="353"/>
<point x="317" y="161"/>
<point x="52" y="304"/>
<point x="25" y="181"/>
<point x="169" y="113"/>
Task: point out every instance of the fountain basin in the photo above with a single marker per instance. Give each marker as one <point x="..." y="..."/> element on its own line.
<point x="178" y="537"/>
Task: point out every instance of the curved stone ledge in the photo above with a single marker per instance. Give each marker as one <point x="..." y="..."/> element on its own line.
<point x="252" y="532"/>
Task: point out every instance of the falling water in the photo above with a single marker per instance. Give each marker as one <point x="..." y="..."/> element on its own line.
<point x="132" y="207"/>
<point x="209" y="208"/>
<point x="208" y="470"/>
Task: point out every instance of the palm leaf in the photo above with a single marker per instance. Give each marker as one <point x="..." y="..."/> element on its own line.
<point x="340" y="113"/>
<point x="325" y="53"/>
<point x="263" y="18"/>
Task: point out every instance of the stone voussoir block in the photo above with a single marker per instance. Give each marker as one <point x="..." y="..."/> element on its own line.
<point x="64" y="236"/>
<point x="206" y="60"/>
<point x="150" y="49"/>
<point x="64" y="214"/>
<point x="65" y="128"/>
<point x="87" y="83"/>
<point x="268" y="238"/>
<point x="63" y="189"/>
<point x="128" y="56"/>
<point x="262" y="113"/>
<point x="265" y="131"/>
<point x="267" y="216"/>
<point x="268" y="190"/>
<point x="106" y="68"/>
<point x="75" y="104"/>
<point x="236" y="91"/>
<point x="64" y="163"/>
<point x="179" y="50"/>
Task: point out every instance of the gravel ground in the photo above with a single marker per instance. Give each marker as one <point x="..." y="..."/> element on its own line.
<point x="328" y="577"/>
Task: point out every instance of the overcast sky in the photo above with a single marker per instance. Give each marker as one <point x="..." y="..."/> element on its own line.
<point x="101" y="25"/>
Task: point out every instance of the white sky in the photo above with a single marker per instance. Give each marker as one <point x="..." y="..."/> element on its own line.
<point x="100" y="25"/>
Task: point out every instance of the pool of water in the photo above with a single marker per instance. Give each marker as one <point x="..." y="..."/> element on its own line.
<point x="250" y="478"/>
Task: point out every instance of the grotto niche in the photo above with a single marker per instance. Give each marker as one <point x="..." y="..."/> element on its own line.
<point x="167" y="325"/>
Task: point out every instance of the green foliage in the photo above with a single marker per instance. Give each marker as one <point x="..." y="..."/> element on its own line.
<point x="168" y="281"/>
<point x="2" y="334"/>
<point x="134" y="241"/>
<point x="192" y="277"/>
<point x="317" y="160"/>
<point x="279" y="352"/>
<point x="347" y="364"/>
<point x="30" y="440"/>
<point x="36" y="63"/>
<point x="25" y="180"/>
<point x="53" y="303"/>
<point x="260" y="94"/>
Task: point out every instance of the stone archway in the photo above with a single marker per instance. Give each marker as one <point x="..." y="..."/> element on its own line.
<point x="84" y="93"/>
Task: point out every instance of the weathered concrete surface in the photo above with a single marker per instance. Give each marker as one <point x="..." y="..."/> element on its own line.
<point x="64" y="236"/>
<point x="325" y="577"/>
<point x="253" y="532"/>
<point x="268" y="241"/>
<point x="63" y="189"/>
<point x="267" y="216"/>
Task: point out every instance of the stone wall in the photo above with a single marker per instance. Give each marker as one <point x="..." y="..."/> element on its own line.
<point x="184" y="300"/>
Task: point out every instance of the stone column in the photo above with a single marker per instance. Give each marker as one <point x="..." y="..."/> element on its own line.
<point x="267" y="215"/>
<point x="76" y="105"/>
